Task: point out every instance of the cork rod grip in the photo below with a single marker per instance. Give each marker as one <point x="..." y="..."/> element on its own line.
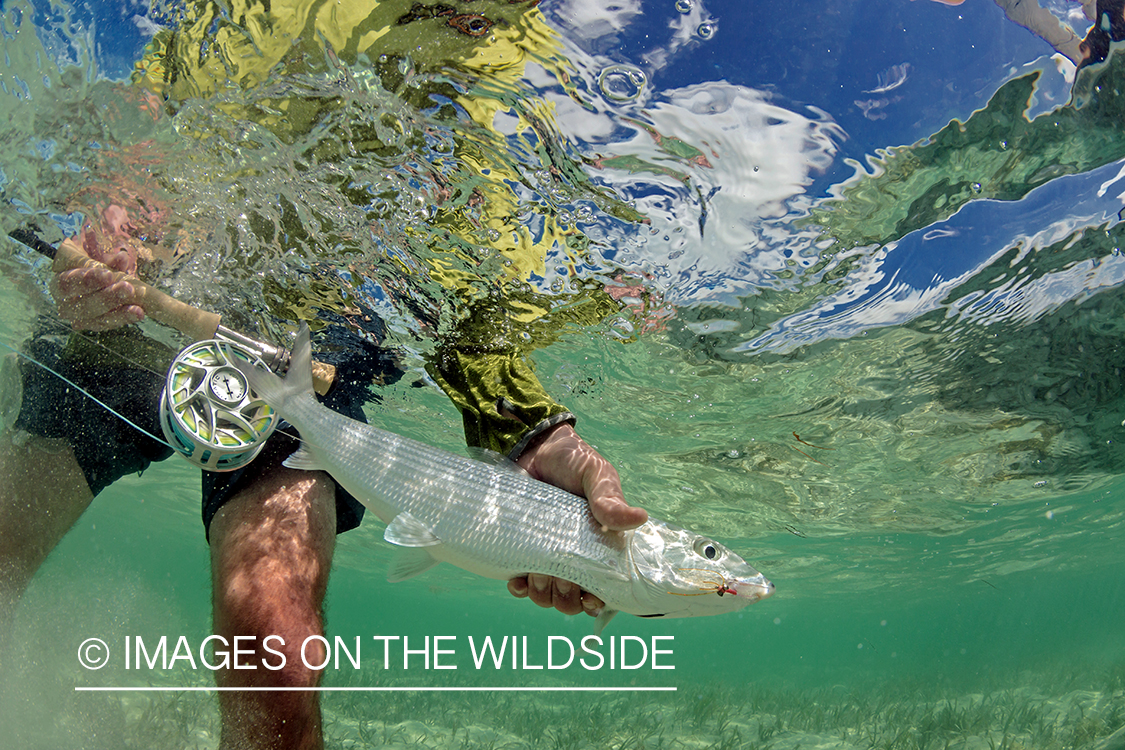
<point x="198" y="324"/>
<point x="323" y="376"/>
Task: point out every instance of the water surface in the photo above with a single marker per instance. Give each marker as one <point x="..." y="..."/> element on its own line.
<point x="866" y="271"/>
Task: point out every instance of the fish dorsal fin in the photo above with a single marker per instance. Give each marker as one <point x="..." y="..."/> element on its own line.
<point x="302" y="459"/>
<point x="407" y="531"/>
<point x="495" y="460"/>
<point x="603" y="619"/>
<point x="408" y="563"/>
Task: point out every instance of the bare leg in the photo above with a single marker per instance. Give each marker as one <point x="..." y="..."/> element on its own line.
<point x="42" y="493"/>
<point x="271" y="550"/>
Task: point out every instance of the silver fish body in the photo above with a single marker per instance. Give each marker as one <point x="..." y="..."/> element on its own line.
<point x="493" y="519"/>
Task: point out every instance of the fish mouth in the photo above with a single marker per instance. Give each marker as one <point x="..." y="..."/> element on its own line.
<point x="755" y="589"/>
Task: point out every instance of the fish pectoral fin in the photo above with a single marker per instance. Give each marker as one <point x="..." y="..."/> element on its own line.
<point x="418" y="540"/>
<point x="603" y="619"/>
<point x="302" y="459"/>
<point x="495" y="460"/>
<point x="407" y="531"/>
<point x="409" y="563"/>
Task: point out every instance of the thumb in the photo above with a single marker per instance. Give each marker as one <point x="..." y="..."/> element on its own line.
<point x="602" y="488"/>
<point x="121" y="261"/>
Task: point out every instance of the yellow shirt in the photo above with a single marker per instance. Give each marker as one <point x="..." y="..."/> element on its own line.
<point x="484" y="44"/>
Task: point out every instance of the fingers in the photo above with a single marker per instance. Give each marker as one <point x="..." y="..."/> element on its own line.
<point x="121" y="261"/>
<point x="560" y="457"/>
<point x="564" y="459"/>
<point x="550" y="592"/>
<point x="92" y="300"/>
<point x="97" y="299"/>
<point x="110" y="242"/>
<point x="602" y="488"/>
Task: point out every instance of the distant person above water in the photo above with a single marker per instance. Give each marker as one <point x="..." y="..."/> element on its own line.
<point x="1048" y="27"/>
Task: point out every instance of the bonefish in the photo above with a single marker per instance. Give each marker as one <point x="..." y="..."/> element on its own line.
<point x="493" y="519"/>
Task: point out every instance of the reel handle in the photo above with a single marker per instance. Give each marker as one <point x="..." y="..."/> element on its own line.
<point x="200" y="325"/>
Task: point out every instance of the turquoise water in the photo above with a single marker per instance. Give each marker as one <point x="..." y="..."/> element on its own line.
<point x="867" y="337"/>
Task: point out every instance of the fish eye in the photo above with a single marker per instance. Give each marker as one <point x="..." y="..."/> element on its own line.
<point x="706" y="548"/>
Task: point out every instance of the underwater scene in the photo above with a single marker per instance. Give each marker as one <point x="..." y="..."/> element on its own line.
<point x="838" y="285"/>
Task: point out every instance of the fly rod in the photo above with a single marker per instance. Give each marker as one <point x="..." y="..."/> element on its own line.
<point x="199" y="325"/>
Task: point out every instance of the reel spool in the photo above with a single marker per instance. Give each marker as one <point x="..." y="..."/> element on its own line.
<point x="207" y="410"/>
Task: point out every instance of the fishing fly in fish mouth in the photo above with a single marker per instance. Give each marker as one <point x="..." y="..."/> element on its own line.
<point x="486" y="516"/>
<point x="493" y="519"/>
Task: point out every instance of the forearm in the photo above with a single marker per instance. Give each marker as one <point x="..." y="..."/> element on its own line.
<point x="503" y="405"/>
<point x="484" y="366"/>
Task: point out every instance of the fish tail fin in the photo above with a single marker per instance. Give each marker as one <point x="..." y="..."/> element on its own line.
<point x="274" y="390"/>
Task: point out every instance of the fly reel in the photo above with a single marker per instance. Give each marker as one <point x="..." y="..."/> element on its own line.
<point x="207" y="410"/>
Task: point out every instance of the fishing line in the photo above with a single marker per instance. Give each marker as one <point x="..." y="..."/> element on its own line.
<point x="86" y="393"/>
<point x="184" y="438"/>
<point x="207" y="411"/>
<point x="93" y="341"/>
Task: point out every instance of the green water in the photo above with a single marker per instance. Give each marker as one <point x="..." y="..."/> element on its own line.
<point x="1000" y="612"/>
<point x="938" y="492"/>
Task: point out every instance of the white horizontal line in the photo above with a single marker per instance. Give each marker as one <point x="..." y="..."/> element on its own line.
<point x="186" y="689"/>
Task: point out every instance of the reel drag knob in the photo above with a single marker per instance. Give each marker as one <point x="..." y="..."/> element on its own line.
<point x="207" y="410"/>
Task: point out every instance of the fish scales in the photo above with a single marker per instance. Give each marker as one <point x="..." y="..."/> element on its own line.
<point x="504" y="523"/>
<point x="492" y="519"/>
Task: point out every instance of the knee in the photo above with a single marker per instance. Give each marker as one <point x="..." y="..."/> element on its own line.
<point x="271" y="660"/>
<point x="272" y="632"/>
<point x="271" y="554"/>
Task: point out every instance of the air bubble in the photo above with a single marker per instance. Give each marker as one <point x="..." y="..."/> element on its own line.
<point x="706" y="30"/>
<point x="622" y="83"/>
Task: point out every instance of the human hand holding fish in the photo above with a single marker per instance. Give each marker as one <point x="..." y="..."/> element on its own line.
<point x="561" y="458"/>
<point x="493" y="519"/>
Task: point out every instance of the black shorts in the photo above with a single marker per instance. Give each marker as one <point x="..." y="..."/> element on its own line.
<point x="219" y="487"/>
<point x="107" y="447"/>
